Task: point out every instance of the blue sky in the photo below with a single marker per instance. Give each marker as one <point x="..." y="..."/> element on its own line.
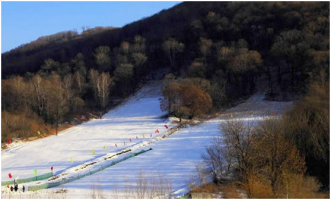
<point x="23" y="22"/>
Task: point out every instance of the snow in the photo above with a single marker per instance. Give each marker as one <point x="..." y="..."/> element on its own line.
<point x="174" y="157"/>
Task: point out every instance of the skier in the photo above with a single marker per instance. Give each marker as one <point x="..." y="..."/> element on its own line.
<point x="23" y="188"/>
<point x="15" y="185"/>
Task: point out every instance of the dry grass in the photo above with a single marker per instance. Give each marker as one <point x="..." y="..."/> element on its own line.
<point x="33" y="127"/>
<point x="228" y="190"/>
<point x="257" y="189"/>
<point x="208" y="188"/>
<point x="299" y="186"/>
<point x="26" y="126"/>
<point x="322" y="195"/>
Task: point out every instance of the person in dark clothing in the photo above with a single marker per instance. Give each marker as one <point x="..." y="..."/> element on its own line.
<point x="23" y="188"/>
<point x="11" y="188"/>
<point x="15" y="186"/>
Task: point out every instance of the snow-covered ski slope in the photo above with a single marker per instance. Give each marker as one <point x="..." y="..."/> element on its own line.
<point x="175" y="157"/>
<point x="139" y="115"/>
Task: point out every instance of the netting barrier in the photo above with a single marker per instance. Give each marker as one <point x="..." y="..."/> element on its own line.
<point x="26" y="180"/>
<point x="70" y="179"/>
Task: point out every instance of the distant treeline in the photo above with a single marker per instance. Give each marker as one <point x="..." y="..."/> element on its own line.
<point x="290" y="37"/>
<point x="63" y="36"/>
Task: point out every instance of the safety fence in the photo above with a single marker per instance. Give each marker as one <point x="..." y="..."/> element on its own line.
<point x="26" y="180"/>
<point x="70" y="179"/>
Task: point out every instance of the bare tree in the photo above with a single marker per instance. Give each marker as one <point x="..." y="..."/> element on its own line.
<point x="214" y="159"/>
<point x="103" y="89"/>
<point x="197" y="69"/>
<point x="164" y="189"/>
<point x="57" y="99"/>
<point x="138" y="59"/>
<point x="147" y="186"/>
<point x="125" y="47"/>
<point x="244" y="60"/>
<point x="274" y="155"/>
<point x="205" y="46"/>
<point x="141" y="186"/>
<point x="79" y="82"/>
<point x="101" y="86"/>
<point x="238" y="138"/>
<point x="261" y="155"/>
<point x="79" y="64"/>
<point x="67" y="84"/>
<point x="18" y="93"/>
<point x="102" y="57"/>
<point x="187" y="99"/>
<point x="172" y="47"/>
<point x="195" y="99"/>
<point x="139" y="44"/>
<point x="97" y="192"/>
<point x="202" y="174"/>
<point x="49" y="66"/>
<point x="124" y="74"/>
<point x="39" y="94"/>
<point x="115" y="191"/>
<point x="152" y="191"/>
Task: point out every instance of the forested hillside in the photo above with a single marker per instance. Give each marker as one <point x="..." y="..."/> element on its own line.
<point x="216" y="53"/>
